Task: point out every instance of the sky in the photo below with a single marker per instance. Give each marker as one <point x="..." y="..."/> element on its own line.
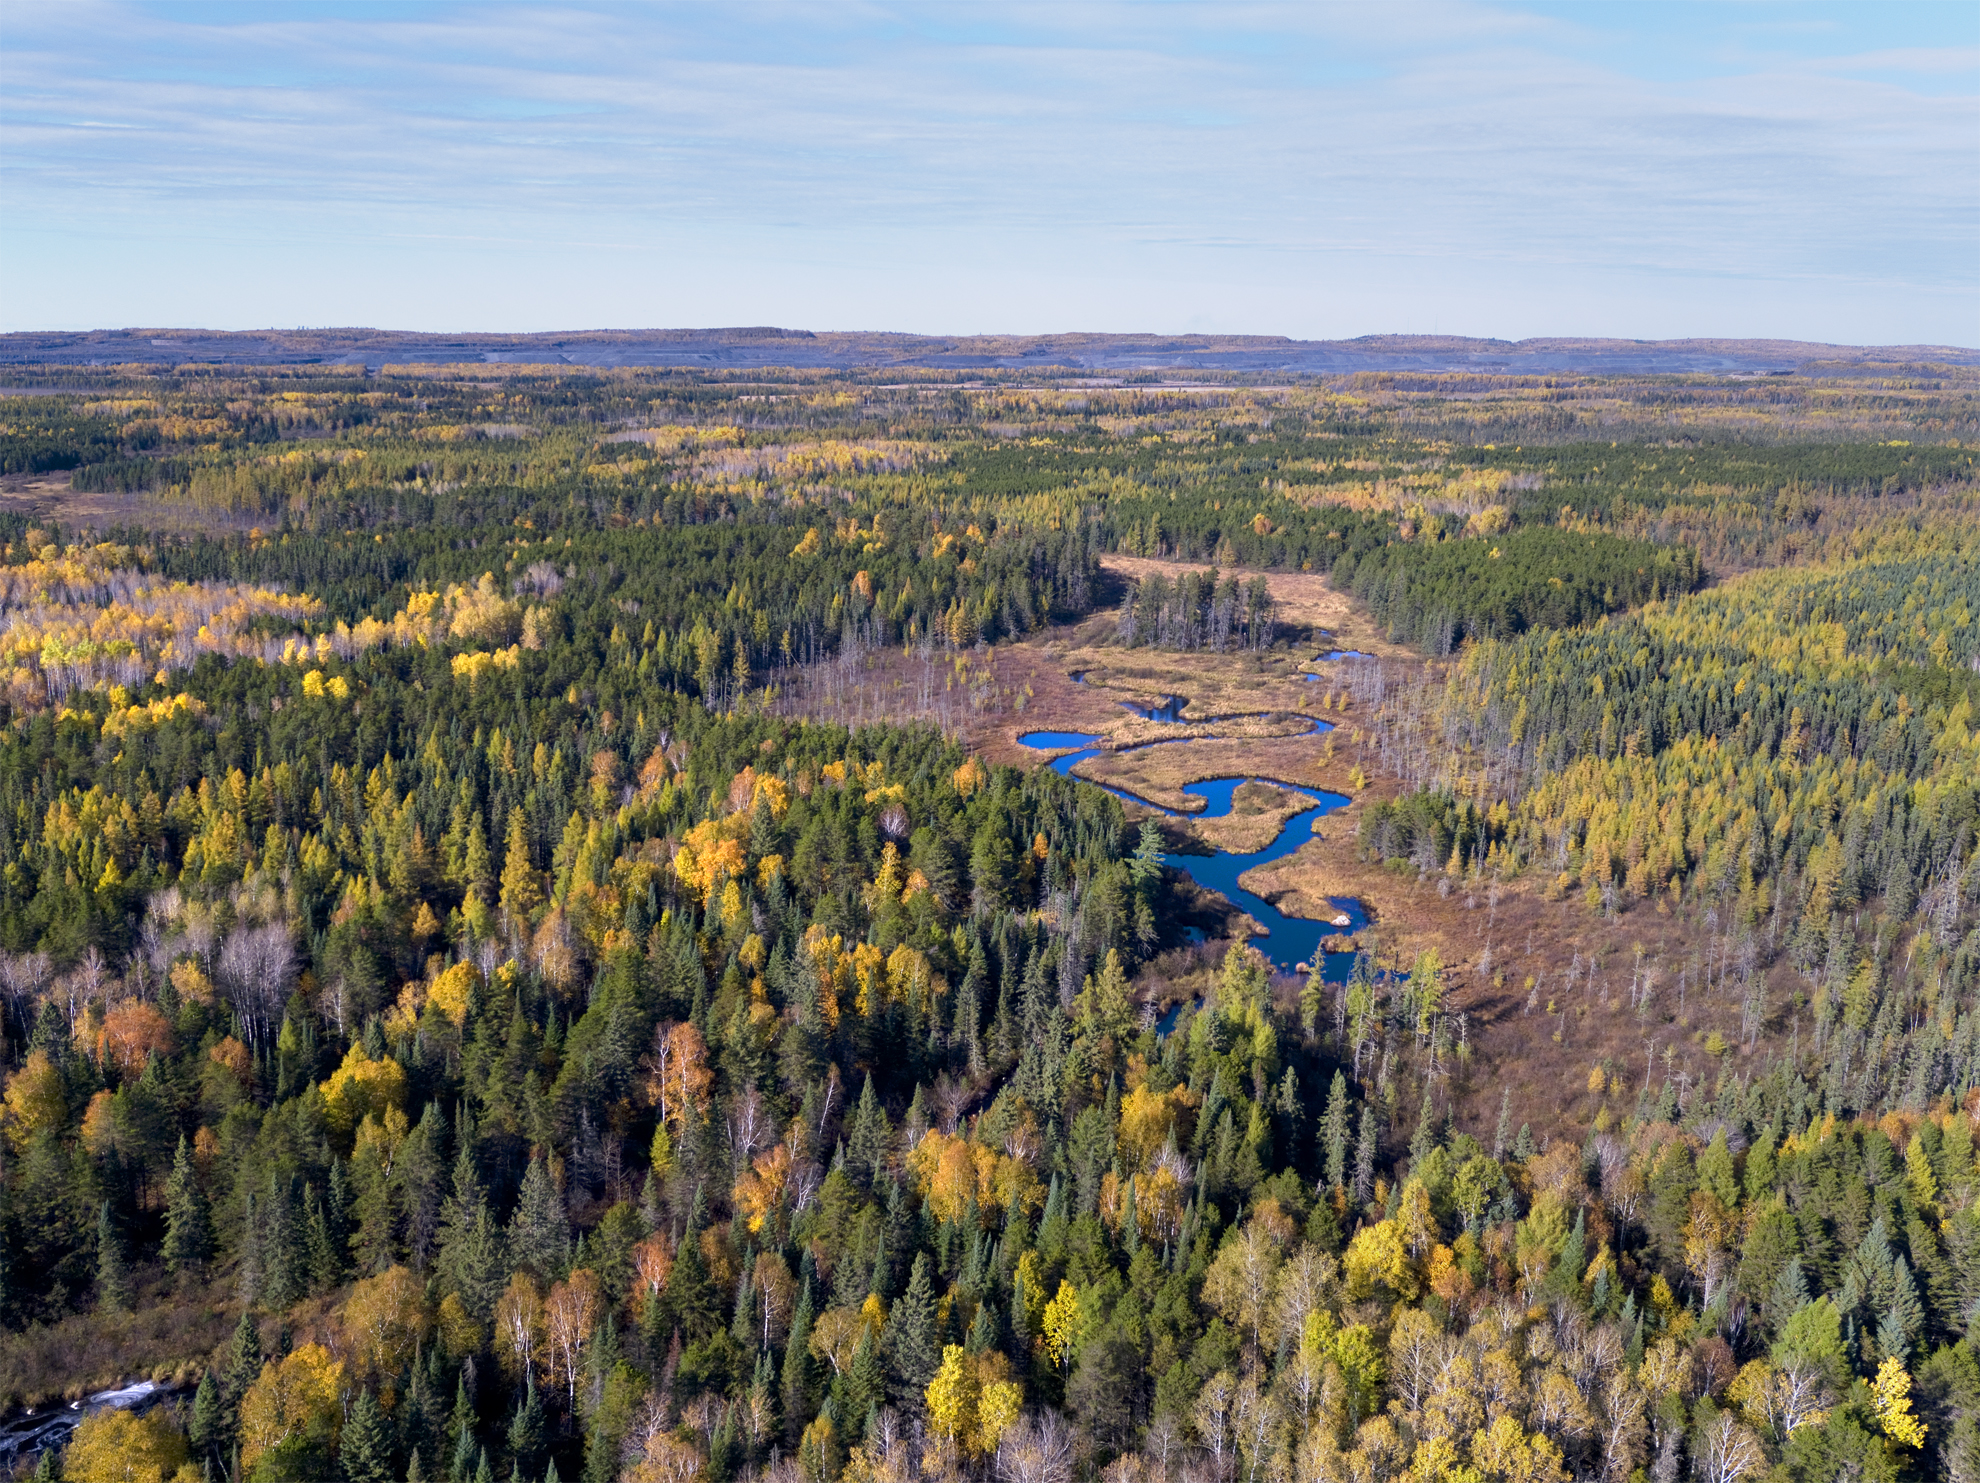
<point x="1649" y="171"/>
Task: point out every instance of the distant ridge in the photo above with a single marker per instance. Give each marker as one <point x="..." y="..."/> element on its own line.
<point x="766" y="346"/>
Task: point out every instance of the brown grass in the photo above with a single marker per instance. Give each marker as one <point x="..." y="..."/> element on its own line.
<point x="1302" y="598"/>
<point x="1542" y="1058"/>
<point x="167" y="1340"/>
<point x="49" y="497"/>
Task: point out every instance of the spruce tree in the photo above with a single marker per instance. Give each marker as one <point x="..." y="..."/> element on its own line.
<point x="461" y="1427"/>
<point x="113" y="1273"/>
<point x="365" y="1449"/>
<point x="799" y="1380"/>
<point x="482" y="1270"/>
<point x="866" y="1385"/>
<point x="691" y="1293"/>
<point x="1364" y="1157"/>
<point x="911" y="1351"/>
<point x="207" y="1430"/>
<point x="867" y="1155"/>
<point x="1425" y="1137"/>
<point x="188" y="1227"/>
<point x="539" y="1235"/>
<point x="243" y="1364"/>
<point x="601" y="1458"/>
<point x="526" y="1430"/>
<point x="1334" y="1131"/>
<point x="284" y="1257"/>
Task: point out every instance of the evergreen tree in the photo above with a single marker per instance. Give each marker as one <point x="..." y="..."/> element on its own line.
<point x="364" y="1450"/>
<point x="526" y="1430"/>
<point x="482" y="1267"/>
<point x="460" y="1427"/>
<point x="1364" y="1157"/>
<point x="912" y="1354"/>
<point x="188" y="1227"/>
<point x="113" y="1275"/>
<point x="691" y="1293"/>
<point x="601" y="1458"/>
<point x="539" y="1235"/>
<point x="207" y="1430"/>
<point x="1425" y="1137"/>
<point x="866" y="1384"/>
<point x="799" y="1379"/>
<point x="284" y="1260"/>
<point x="866" y="1157"/>
<point x="1334" y="1132"/>
<point x="241" y="1369"/>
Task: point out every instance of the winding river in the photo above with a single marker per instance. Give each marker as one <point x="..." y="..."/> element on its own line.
<point x="1291" y="942"/>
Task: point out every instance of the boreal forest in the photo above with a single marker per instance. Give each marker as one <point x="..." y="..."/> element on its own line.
<point x="565" y="924"/>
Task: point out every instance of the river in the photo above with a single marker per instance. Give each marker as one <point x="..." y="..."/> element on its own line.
<point x="1290" y="942"/>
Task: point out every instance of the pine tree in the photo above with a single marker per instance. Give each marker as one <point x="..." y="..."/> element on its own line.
<point x="799" y="1382"/>
<point x="113" y="1274"/>
<point x="867" y="1156"/>
<point x="482" y="1269"/>
<point x="526" y="1430"/>
<point x="1425" y="1137"/>
<point x="243" y="1364"/>
<point x="690" y="1292"/>
<point x="982" y="1337"/>
<point x="539" y="1235"/>
<point x="207" y="1430"/>
<point x="601" y="1458"/>
<point x="1334" y="1131"/>
<point x="49" y="1469"/>
<point x="1364" y="1157"/>
<point x="742" y="1319"/>
<point x="1789" y="1295"/>
<point x="912" y="1354"/>
<point x="460" y="1426"/>
<point x="365" y="1449"/>
<point x="284" y="1259"/>
<point x="483" y="1473"/>
<point x="188" y="1227"/>
<point x="1312" y="995"/>
<point x="866" y="1385"/>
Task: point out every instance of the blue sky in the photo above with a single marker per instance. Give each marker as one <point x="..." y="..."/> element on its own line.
<point x="1641" y="170"/>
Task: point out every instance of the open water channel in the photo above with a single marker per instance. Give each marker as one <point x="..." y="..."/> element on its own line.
<point x="1292" y="943"/>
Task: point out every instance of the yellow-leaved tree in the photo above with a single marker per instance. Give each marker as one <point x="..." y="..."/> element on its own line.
<point x="384" y="1320"/>
<point x="362" y="1086"/>
<point x="1890" y="1392"/>
<point x="1065" y="1326"/>
<point x="972" y="1401"/>
<point x="117" y="1447"/>
<point x="296" y="1399"/>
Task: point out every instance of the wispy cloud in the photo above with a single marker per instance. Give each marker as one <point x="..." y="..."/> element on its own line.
<point x="1314" y="169"/>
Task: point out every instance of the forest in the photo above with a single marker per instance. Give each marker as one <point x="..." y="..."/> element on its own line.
<point x="459" y="1021"/>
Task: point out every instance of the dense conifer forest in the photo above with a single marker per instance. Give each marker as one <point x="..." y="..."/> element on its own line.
<point x="462" y="1019"/>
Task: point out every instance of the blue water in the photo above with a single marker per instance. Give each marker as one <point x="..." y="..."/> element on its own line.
<point x="1338" y="654"/>
<point x="1047" y="741"/>
<point x="1290" y="941"/>
<point x="1170" y="709"/>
